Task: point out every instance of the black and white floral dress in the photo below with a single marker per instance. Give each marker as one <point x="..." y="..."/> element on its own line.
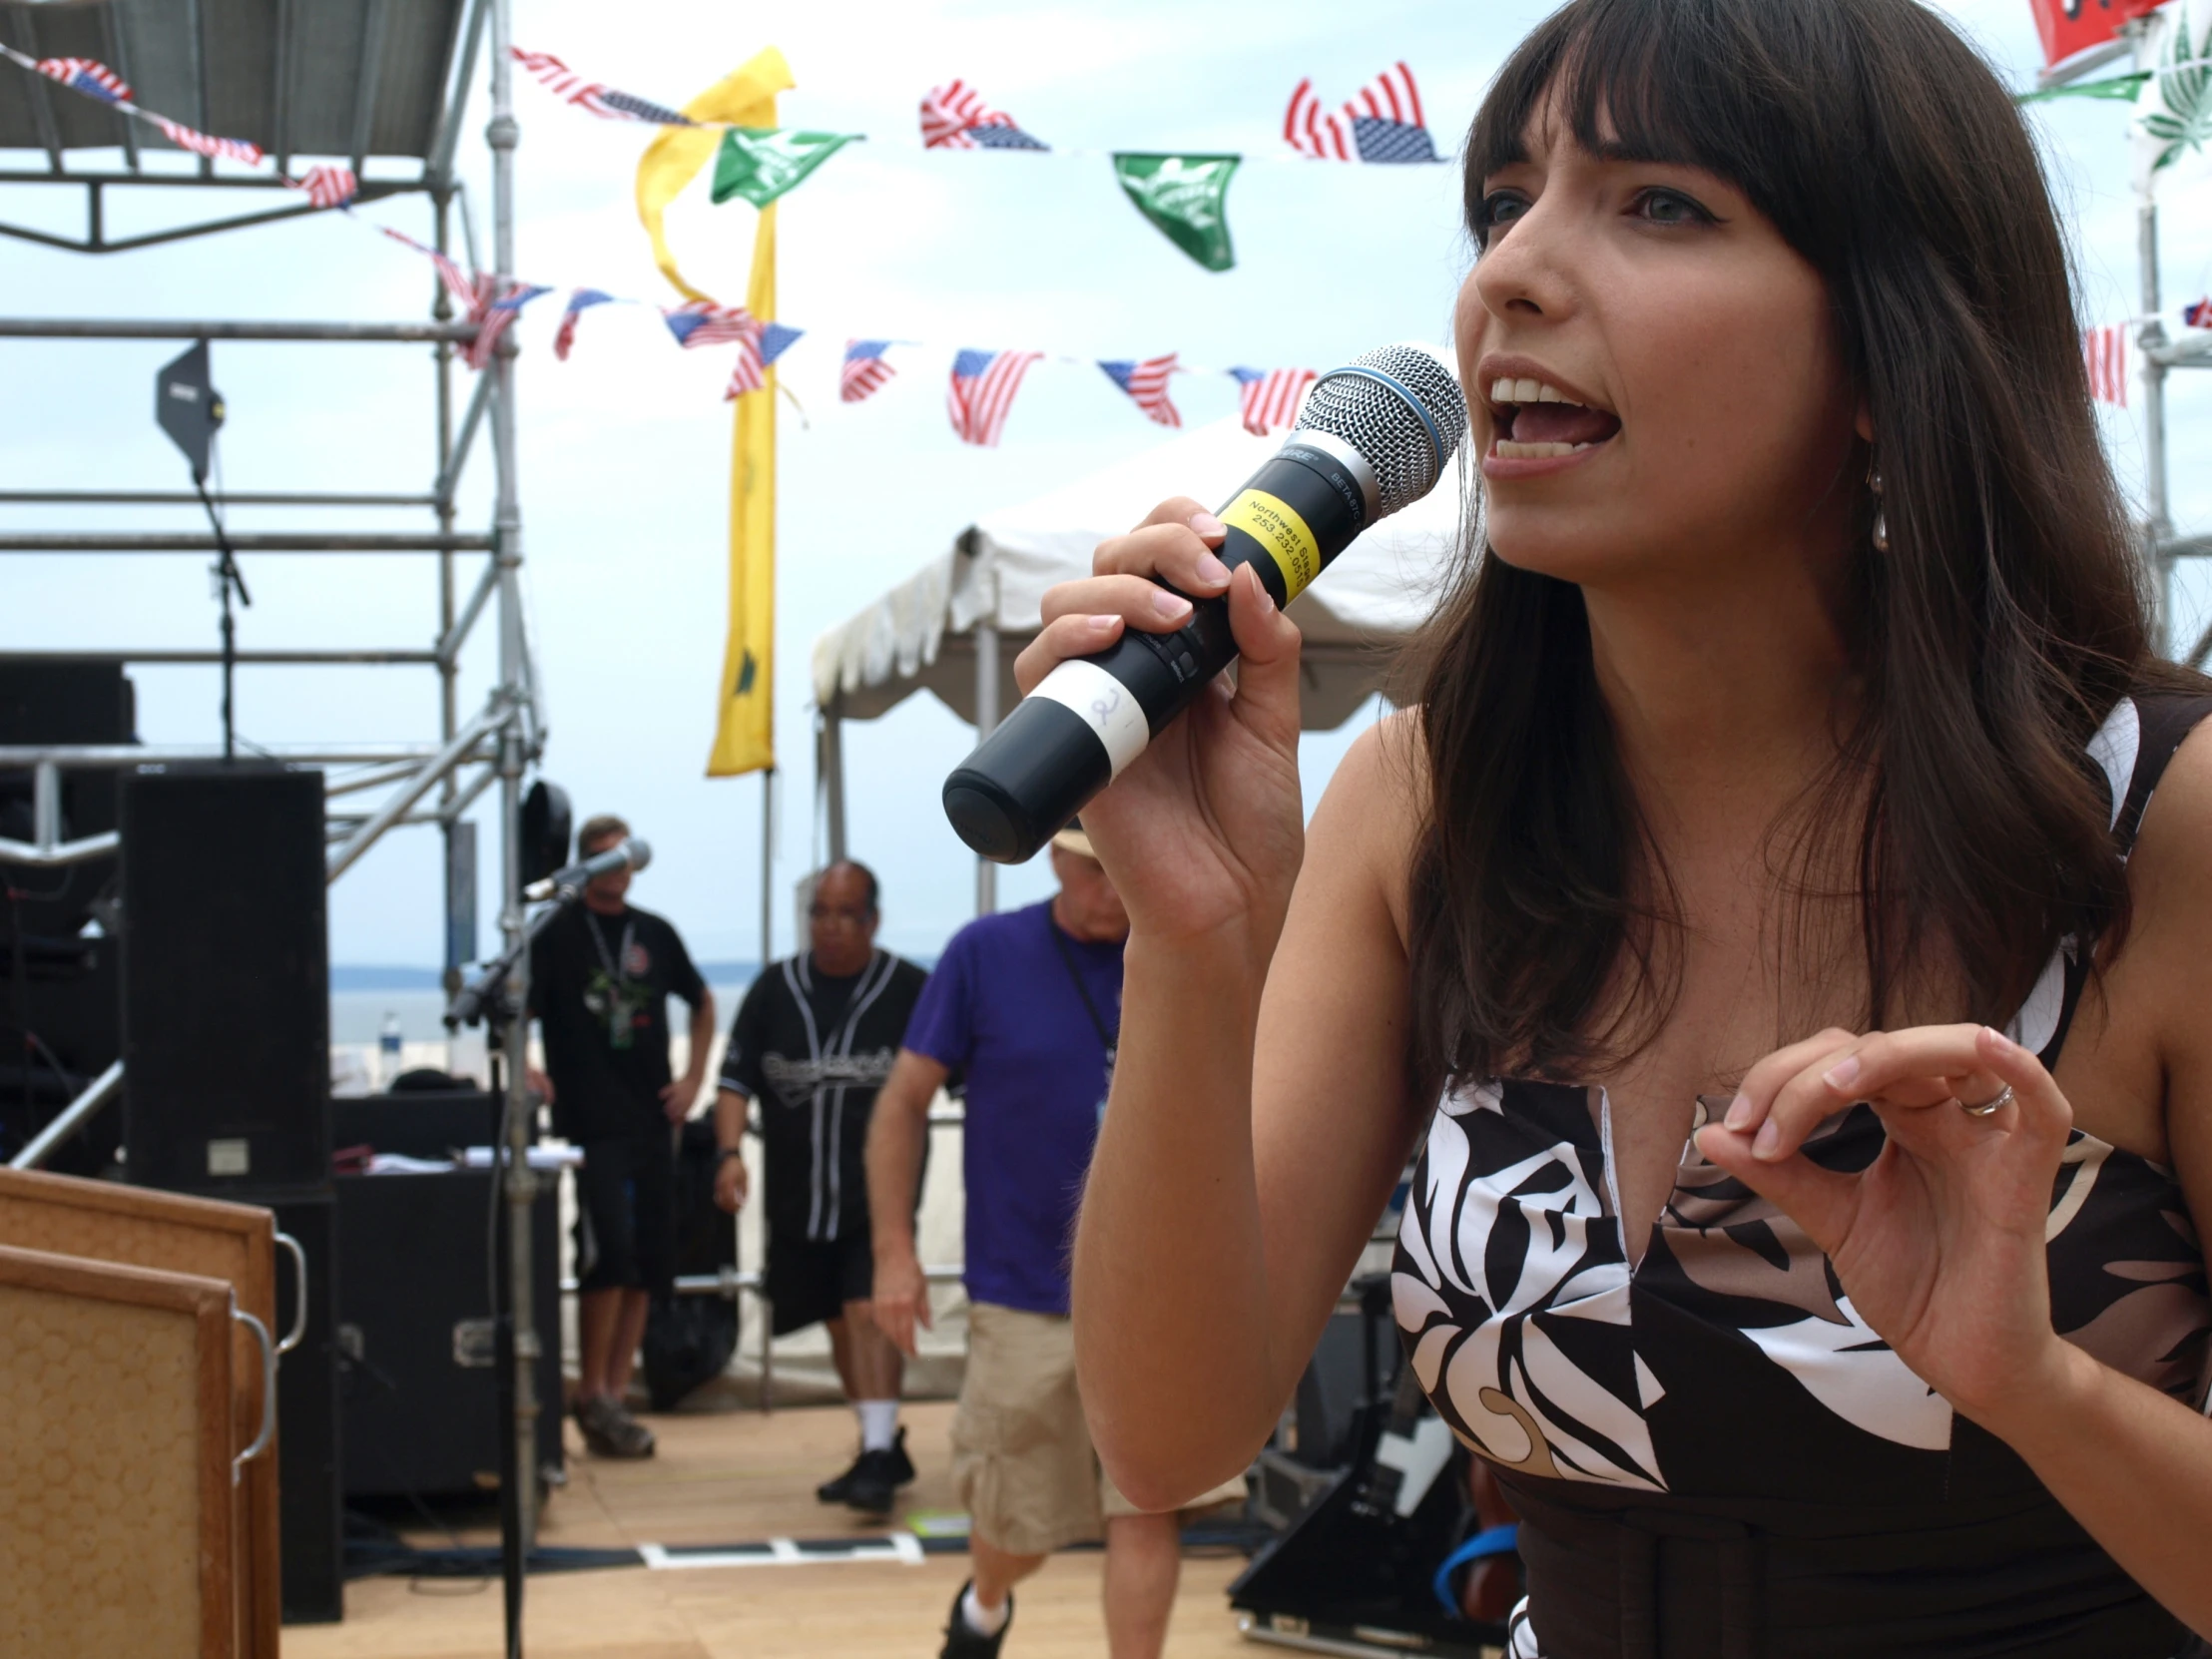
<point x="1712" y="1454"/>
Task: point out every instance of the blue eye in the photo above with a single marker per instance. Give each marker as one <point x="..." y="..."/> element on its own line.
<point x="1498" y="209"/>
<point x="1671" y="207"/>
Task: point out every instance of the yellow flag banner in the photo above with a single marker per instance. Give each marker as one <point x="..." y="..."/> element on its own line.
<point x="745" y="736"/>
<point x="744" y="729"/>
<point x="745" y="96"/>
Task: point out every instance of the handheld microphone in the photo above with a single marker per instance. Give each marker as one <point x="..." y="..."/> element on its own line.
<point x="1374" y="437"/>
<point x="568" y="883"/>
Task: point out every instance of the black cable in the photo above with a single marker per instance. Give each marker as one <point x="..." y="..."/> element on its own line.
<point x="227" y="575"/>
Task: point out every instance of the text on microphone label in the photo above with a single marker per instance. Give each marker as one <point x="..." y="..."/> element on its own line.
<point x="1275" y="525"/>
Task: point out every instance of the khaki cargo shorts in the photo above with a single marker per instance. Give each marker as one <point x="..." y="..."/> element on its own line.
<point x="1022" y="1461"/>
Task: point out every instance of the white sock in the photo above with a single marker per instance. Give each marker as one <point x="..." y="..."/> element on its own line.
<point x="985" y="1621"/>
<point x="879" y="1424"/>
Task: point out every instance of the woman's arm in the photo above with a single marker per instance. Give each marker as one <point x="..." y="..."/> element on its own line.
<point x="1941" y="1243"/>
<point x="1251" y="1143"/>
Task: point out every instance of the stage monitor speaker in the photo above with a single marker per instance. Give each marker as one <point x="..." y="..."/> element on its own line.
<point x="225" y="975"/>
<point x="419" y="1395"/>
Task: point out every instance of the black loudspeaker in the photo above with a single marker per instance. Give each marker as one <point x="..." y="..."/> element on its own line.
<point x="311" y="1517"/>
<point x="226" y="979"/>
<point x="419" y="1395"/>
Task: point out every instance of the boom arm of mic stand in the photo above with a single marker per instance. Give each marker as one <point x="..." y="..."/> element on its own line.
<point x="489" y="989"/>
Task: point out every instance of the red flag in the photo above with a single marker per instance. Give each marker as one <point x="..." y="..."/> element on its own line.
<point x="2070" y="26"/>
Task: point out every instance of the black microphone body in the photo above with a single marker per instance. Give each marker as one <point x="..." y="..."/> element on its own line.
<point x="1091" y="716"/>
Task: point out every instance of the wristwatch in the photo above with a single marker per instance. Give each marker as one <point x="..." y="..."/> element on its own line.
<point x="727" y="1153"/>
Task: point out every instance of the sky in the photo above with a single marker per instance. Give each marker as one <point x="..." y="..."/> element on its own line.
<point x="624" y="449"/>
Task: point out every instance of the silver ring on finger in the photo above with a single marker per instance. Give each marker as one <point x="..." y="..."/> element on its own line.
<point x="1997" y="1103"/>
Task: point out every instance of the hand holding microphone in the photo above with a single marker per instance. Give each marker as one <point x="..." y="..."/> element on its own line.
<point x="1211" y="796"/>
<point x="1375" y="436"/>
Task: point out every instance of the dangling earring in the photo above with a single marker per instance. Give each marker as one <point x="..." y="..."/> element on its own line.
<point x="1881" y="529"/>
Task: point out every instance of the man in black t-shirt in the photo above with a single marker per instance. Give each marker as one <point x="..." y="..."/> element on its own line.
<point x="813" y="1042"/>
<point x="601" y="974"/>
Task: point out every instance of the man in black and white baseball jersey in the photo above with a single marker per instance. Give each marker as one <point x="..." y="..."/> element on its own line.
<point x="813" y="1041"/>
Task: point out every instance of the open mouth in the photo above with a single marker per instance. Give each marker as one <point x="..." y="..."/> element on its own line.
<point x="1536" y="420"/>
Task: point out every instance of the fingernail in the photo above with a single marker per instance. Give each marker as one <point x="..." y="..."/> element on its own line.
<point x="1842" y="1073"/>
<point x="1207" y="525"/>
<point x="1998" y="1040"/>
<point x="1739" y="1112"/>
<point x="1102" y="624"/>
<point x="1168" y="604"/>
<point x="1212" y="571"/>
<point x="1768" y="1141"/>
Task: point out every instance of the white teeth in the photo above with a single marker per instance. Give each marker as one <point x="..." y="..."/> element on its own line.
<point x="1507" y="450"/>
<point x="1506" y="391"/>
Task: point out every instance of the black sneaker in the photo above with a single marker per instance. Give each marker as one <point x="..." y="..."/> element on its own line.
<point x="610" y="1431"/>
<point x="874" y="1482"/>
<point x="900" y="1469"/>
<point x="835" y="1491"/>
<point x="962" y="1643"/>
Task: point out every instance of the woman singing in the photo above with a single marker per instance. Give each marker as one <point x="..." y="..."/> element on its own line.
<point x="1781" y="924"/>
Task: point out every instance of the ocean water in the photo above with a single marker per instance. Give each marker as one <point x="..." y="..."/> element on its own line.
<point x="357" y="1016"/>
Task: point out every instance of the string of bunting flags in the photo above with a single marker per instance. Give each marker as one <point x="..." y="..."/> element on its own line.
<point x="1383" y="124"/>
<point x="1183" y="195"/>
<point x="982" y="383"/>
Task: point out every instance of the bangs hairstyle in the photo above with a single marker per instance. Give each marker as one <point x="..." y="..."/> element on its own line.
<point x="1990" y="640"/>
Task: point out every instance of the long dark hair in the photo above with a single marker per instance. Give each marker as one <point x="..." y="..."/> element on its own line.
<point x="2000" y="629"/>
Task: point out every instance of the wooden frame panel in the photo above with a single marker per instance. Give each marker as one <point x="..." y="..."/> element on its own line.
<point x="103" y="1221"/>
<point x="64" y="1294"/>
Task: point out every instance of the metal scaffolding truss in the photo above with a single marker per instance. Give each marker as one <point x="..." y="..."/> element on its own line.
<point x="2164" y="548"/>
<point x="361" y="79"/>
<point x="377" y="84"/>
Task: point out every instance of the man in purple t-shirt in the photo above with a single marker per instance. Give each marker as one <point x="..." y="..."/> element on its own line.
<point x="1027" y="1006"/>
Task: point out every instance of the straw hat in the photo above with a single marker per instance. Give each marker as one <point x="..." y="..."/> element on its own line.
<point x="1074" y="839"/>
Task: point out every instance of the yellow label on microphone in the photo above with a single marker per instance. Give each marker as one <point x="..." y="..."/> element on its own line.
<point x="1274" y="523"/>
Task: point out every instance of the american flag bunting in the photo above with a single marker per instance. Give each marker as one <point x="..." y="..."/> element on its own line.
<point x="207" y="144"/>
<point x="87" y="75"/>
<point x="497" y="306"/>
<point x="2104" y="355"/>
<point x="1268" y="400"/>
<point x="1381" y="123"/>
<point x="756" y="355"/>
<point x="1146" y="382"/>
<point x="594" y="96"/>
<point x="579" y="301"/>
<point x="865" y="371"/>
<point x="703" y="323"/>
<point x="96" y="80"/>
<point x="983" y="390"/>
<point x="954" y="117"/>
<point x="328" y="187"/>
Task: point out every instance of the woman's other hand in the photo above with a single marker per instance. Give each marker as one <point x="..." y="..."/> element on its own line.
<point x="1205" y="827"/>
<point x="1940" y="1240"/>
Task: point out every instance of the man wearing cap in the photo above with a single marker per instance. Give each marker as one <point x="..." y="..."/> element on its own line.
<point x="1027" y="1005"/>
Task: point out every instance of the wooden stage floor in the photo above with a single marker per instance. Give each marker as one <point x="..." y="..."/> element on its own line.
<point x="739" y="1478"/>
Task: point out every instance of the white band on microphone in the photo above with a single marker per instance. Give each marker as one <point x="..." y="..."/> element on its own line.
<point x="1106" y="706"/>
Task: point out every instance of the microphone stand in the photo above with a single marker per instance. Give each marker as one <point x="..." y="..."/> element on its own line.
<point x="489" y="1000"/>
<point x="227" y="575"/>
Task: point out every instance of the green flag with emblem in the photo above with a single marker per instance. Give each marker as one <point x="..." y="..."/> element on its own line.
<point x="762" y="163"/>
<point x="1187" y="197"/>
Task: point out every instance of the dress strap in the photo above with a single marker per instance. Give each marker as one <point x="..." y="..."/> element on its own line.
<point x="2133" y="748"/>
<point x="2165" y="720"/>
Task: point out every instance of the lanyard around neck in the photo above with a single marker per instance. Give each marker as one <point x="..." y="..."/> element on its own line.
<point x="1108" y="1039"/>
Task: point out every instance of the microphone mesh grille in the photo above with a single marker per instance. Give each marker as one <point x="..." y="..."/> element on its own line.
<point x="1382" y="423"/>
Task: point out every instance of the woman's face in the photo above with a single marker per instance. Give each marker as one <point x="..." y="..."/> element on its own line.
<point x="1651" y="372"/>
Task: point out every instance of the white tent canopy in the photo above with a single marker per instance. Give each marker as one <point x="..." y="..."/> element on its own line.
<point x="922" y="634"/>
